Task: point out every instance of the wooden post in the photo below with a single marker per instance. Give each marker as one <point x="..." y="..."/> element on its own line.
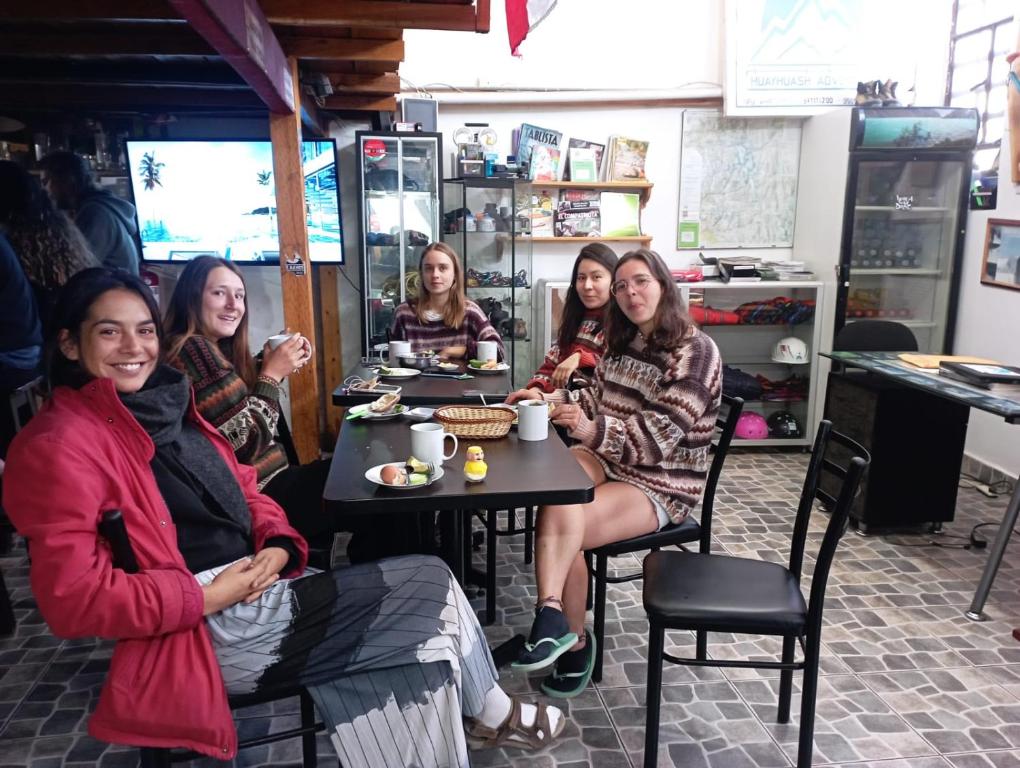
<point x="331" y="346"/>
<point x="295" y="270"/>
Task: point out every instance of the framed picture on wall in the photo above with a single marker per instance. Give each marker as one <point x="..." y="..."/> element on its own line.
<point x="1001" y="262"/>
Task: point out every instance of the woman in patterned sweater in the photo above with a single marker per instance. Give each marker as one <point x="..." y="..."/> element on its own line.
<point x="207" y="338"/>
<point x="644" y="429"/>
<point x="581" y="341"/>
<point x="442" y="318"/>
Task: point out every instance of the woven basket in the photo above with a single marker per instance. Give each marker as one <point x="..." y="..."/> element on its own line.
<point x="475" y="421"/>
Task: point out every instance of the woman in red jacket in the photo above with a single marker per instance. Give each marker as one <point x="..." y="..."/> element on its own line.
<point x="390" y="651"/>
<point x="581" y="340"/>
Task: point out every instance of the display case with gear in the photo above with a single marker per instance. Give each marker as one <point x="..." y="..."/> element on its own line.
<point x="488" y="222"/>
<point x="400" y="213"/>
<point x="768" y="336"/>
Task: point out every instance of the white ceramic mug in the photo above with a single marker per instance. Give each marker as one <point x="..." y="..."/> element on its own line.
<point x="278" y="339"/>
<point x="398" y="348"/>
<point x="532" y="420"/>
<point x="488" y="350"/>
<point x="427" y="443"/>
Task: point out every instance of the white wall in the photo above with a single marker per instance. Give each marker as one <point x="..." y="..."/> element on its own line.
<point x="988" y="321"/>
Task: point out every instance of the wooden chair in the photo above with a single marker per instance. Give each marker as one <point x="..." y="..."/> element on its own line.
<point x="717" y="593"/>
<point x="686" y="532"/>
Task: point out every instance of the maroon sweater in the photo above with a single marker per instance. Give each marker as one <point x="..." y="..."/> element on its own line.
<point x="590" y="341"/>
<point x="436" y="335"/>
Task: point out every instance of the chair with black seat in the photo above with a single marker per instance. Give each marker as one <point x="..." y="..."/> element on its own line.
<point x="114" y="531"/>
<point x="718" y="593"/>
<point x="319" y="557"/>
<point x="875" y="336"/>
<point x="686" y="532"/>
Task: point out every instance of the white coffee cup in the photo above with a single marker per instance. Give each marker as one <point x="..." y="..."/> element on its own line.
<point x="427" y="443"/>
<point x="532" y="420"/>
<point x="398" y="348"/>
<point x="278" y="339"/>
<point x="488" y="350"/>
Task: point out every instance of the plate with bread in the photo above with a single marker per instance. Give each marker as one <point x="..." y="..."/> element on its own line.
<point x="487" y="366"/>
<point x="403" y="476"/>
<point x="396" y="374"/>
<point x="386" y="407"/>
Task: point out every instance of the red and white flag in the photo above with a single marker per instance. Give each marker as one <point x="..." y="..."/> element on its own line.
<point x="522" y="16"/>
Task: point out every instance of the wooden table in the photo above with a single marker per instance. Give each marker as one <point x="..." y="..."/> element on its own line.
<point x="432" y="390"/>
<point x="521" y="473"/>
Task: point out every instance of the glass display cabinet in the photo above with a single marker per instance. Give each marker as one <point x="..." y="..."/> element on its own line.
<point x="488" y="222"/>
<point x="399" y="208"/>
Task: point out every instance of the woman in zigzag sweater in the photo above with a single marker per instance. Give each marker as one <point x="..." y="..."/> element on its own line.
<point x="644" y="429"/>
<point x="581" y="340"/>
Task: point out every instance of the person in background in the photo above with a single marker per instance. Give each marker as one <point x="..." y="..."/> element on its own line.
<point x="644" y="429"/>
<point x="107" y="221"/>
<point x="442" y="318"/>
<point x="206" y="326"/>
<point x="20" y="339"/>
<point x="390" y="652"/>
<point x="581" y="340"/>
<point x="46" y="242"/>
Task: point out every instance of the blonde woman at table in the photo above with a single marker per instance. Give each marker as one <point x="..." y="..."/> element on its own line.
<point x="581" y="340"/>
<point x="207" y="338"/>
<point x="442" y="318"/>
<point x="391" y="651"/>
<point x="644" y="429"/>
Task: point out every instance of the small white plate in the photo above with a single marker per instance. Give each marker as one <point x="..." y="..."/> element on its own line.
<point x="448" y="366"/>
<point x="398" y="373"/>
<point x="500" y="367"/>
<point x="373" y="475"/>
<point x="421" y="414"/>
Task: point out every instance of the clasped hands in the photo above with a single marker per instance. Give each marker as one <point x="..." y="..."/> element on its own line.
<point x="245" y="580"/>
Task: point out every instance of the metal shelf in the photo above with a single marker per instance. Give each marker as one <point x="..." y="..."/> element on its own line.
<point x="894" y="271"/>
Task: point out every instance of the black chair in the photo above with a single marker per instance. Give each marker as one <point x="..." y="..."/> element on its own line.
<point x="717" y="593"/>
<point x="115" y="532"/>
<point x="875" y="336"/>
<point x="489" y="518"/>
<point x="686" y="532"/>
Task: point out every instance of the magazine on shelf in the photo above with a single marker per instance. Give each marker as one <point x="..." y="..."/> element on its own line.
<point x="578" y="214"/>
<point x="581" y="165"/>
<point x="532" y="135"/>
<point x="621" y="214"/>
<point x="544" y="164"/>
<point x="598" y="149"/>
<point x="1003" y="379"/>
<point x="626" y="161"/>
<point x="543" y="211"/>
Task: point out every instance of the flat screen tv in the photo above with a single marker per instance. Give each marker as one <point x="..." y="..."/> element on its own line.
<point x="218" y="197"/>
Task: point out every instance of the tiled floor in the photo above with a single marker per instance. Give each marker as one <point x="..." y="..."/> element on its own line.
<point x="907" y="681"/>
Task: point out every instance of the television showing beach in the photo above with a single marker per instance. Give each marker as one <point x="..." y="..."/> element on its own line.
<point x="219" y="198"/>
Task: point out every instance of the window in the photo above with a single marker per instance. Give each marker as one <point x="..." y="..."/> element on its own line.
<point x="981" y="37"/>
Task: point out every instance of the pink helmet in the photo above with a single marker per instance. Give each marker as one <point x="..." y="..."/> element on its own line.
<point x="752" y="426"/>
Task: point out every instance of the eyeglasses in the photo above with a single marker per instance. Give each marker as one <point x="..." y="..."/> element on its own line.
<point x="640" y="284"/>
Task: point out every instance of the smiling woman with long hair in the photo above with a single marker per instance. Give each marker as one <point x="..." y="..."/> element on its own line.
<point x="643" y="432"/>
<point x="221" y="602"/>
<point x="442" y="318"/>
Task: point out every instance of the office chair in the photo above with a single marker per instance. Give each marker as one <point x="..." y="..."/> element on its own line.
<point x="875" y="336"/>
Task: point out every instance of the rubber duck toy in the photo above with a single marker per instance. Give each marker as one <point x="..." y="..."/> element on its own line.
<point x="475" y="467"/>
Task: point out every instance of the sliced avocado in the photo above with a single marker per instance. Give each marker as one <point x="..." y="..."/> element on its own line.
<point x="415" y="465"/>
<point x="416" y="478"/>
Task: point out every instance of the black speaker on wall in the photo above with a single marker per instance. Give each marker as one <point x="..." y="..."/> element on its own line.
<point x="916" y="442"/>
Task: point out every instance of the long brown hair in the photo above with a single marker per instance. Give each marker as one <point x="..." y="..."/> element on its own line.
<point x="453" y="315"/>
<point x="672" y="324"/>
<point x="184" y="316"/>
<point x="573" y="308"/>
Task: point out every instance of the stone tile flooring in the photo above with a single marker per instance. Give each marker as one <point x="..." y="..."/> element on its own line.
<point x="906" y="680"/>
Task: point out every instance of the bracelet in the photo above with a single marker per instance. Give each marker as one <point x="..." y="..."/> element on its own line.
<point x="268" y="380"/>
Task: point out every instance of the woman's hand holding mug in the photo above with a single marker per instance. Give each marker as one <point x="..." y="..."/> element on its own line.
<point x="284" y="354"/>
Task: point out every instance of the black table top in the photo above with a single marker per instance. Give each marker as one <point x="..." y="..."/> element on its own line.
<point x="431" y="390"/>
<point x="889" y="365"/>
<point x="521" y="473"/>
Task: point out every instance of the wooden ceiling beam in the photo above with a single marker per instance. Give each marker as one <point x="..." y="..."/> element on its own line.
<point x="240" y="33"/>
<point x="130" y="40"/>
<point x="360" y="103"/>
<point x="373" y="13"/>
<point x="80" y="10"/>
<point x="388" y="83"/>
<point x="96" y="96"/>
<point x="343" y="49"/>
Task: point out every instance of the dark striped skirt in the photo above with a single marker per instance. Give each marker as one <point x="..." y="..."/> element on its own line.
<point x="390" y="651"/>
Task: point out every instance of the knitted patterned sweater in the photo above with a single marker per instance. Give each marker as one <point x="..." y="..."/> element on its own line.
<point x="436" y="335"/>
<point x="246" y="418"/>
<point x="590" y="342"/>
<point x="649" y="418"/>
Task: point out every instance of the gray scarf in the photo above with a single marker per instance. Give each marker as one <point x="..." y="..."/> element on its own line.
<point x="161" y="407"/>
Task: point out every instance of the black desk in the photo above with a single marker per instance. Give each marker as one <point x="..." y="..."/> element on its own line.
<point x="887" y="365"/>
<point x="432" y="390"/>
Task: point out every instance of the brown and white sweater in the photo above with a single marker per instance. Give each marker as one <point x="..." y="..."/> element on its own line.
<point x="649" y="418"/>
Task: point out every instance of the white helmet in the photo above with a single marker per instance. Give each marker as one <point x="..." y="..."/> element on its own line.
<point x="790" y="350"/>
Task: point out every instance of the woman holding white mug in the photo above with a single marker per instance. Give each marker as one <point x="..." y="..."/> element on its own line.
<point x="441" y="317"/>
<point x="206" y="328"/>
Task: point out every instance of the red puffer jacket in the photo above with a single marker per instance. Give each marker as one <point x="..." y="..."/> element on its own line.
<point x="83" y="454"/>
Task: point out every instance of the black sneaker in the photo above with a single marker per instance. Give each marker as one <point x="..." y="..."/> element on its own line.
<point x="550" y="638"/>
<point x="573" y="671"/>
